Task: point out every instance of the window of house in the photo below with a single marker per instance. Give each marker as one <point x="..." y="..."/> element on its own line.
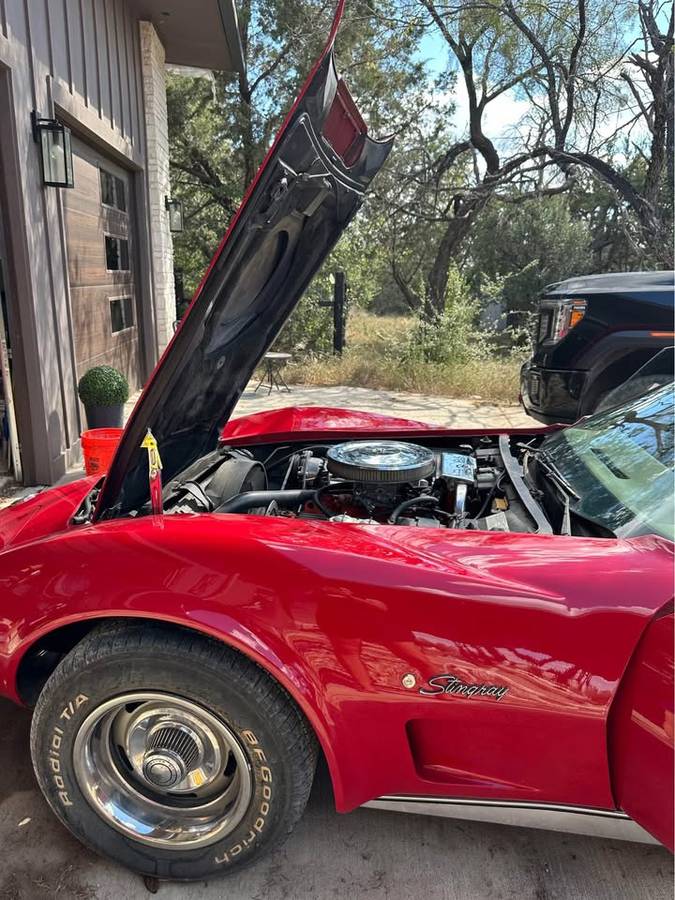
<point x="107" y="188"/>
<point x="116" y="254"/>
<point x="113" y="191"/>
<point x="121" y="313"/>
<point x="120" y="194"/>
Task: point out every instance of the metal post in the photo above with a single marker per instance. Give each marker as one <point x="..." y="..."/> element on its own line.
<point x="339" y="304"/>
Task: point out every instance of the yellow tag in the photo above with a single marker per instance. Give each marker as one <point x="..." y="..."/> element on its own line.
<point x="149" y="443"/>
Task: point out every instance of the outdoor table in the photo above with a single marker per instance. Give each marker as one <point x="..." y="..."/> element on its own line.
<point x="274" y="363"/>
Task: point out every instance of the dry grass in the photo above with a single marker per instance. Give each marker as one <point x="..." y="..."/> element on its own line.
<point x="370" y="361"/>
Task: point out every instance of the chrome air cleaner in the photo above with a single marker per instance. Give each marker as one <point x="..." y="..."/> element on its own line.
<point x="390" y="462"/>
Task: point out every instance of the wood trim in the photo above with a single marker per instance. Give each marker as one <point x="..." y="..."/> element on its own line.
<point x="93" y="129"/>
<point x="31" y="422"/>
<point x="10" y="52"/>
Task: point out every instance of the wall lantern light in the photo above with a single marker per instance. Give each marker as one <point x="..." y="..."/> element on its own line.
<point x="175" y="209"/>
<point x="55" y="151"/>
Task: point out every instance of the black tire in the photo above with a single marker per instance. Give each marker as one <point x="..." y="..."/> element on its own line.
<point x="116" y="659"/>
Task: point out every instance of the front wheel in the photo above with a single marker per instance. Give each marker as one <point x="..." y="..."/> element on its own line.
<point x="169" y="752"/>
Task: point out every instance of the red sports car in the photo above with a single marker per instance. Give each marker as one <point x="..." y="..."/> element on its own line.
<point x="467" y="623"/>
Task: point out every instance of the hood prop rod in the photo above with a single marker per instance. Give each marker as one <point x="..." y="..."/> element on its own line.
<point x="149" y="443"/>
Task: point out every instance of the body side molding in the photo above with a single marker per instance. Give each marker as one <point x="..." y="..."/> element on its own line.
<point x="594" y="822"/>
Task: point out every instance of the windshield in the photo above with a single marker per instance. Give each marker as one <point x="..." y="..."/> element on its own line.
<point x="619" y="463"/>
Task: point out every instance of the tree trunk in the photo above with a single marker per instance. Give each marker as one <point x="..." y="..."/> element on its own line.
<point x="456" y="230"/>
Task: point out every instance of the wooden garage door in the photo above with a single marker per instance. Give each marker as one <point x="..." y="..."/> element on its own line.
<point x="100" y="240"/>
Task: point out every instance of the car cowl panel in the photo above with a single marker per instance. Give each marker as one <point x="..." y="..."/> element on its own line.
<point x="307" y="190"/>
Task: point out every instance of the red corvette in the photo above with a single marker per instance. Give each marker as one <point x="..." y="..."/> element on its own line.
<point x="471" y="624"/>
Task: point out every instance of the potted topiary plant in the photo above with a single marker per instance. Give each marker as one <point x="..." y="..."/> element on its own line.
<point x="103" y="391"/>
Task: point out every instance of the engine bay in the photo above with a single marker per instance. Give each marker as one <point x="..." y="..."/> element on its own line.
<point x="481" y="483"/>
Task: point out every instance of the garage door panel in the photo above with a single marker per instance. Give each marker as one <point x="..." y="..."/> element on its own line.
<point x="123" y="357"/>
<point x="86" y="260"/>
<point x="87" y="250"/>
<point x="106" y="219"/>
<point x="93" y="263"/>
<point x="85" y="176"/>
<point x="98" y="345"/>
<point x="93" y="321"/>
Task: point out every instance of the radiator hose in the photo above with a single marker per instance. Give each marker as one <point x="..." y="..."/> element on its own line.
<point x="253" y="499"/>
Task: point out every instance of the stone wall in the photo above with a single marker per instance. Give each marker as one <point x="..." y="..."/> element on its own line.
<point x="158" y="181"/>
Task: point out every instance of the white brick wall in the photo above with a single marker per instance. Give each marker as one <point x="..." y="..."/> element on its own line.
<point x="159" y="185"/>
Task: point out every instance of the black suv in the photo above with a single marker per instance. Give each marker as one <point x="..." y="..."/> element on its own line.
<point x="593" y="333"/>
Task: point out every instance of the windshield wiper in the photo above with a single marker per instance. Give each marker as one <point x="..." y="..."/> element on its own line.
<point x="554" y="473"/>
<point x="565" y="489"/>
<point x="566" y="493"/>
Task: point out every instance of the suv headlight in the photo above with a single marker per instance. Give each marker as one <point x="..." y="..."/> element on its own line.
<point x="562" y="317"/>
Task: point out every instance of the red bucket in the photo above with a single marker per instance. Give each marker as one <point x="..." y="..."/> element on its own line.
<point x="98" y="448"/>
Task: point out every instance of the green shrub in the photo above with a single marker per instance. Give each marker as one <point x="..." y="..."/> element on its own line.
<point x="378" y="356"/>
<point x="309" y="328"/>
<point x="103" y="386"/>
<point x="452" y="336"/>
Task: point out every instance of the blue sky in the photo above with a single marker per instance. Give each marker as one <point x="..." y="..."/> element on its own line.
<point x="433" y="50"/>
<point x="500" y="117"/>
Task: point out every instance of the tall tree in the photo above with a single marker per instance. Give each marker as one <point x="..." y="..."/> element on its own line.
<point x="540" y="241"/>
<point x="587" y="81"/>
<point x="646" y="67"/>
<point x="220" y="130"/>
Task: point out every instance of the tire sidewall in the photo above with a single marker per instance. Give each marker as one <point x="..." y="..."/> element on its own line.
<point x="61" y="711"/>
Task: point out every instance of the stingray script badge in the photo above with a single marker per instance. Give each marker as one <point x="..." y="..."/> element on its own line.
<point x="451" y="684"/>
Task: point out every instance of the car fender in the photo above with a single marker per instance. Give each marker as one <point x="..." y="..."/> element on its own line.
<point x="616" y="357"/>
<point x="342" y="614"/>
<point x="642" y="732"/>
<point x="68" y="585"/>
<point x="45" y="512"/>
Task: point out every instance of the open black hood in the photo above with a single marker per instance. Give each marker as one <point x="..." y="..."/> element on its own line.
<point x="307" y="190"/>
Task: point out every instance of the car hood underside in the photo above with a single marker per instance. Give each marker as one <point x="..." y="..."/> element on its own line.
<point x="306" y="192"/>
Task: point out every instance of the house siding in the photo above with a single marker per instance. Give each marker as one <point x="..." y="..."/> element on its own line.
<point x="91" y="46"/>
<point x="81" y="61"/>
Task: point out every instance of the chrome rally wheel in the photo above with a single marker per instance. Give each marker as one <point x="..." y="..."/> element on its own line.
<point x="169" y="752"/>
<point x="163" y="770"/>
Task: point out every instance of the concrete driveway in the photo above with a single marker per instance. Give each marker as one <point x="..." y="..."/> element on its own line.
<point x="450" y="413"/>
<point x="365" y="854"/>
